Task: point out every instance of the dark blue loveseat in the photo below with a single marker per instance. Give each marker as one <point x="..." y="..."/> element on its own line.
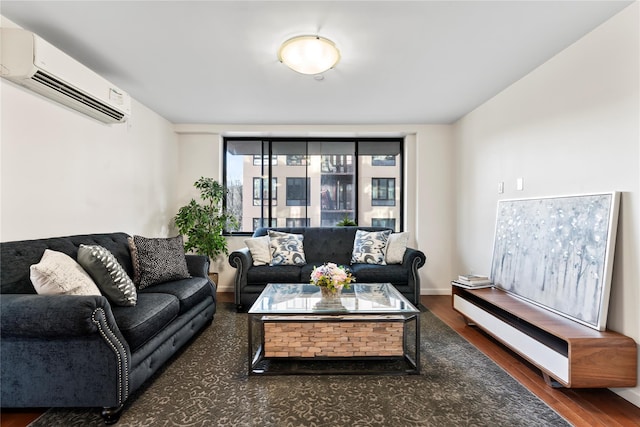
<point x="81" y="351"/>
<point x="321" y="245"/>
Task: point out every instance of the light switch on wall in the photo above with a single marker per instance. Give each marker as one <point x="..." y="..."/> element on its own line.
<point x="501" y="187"/>
<point x="520" y="184"/>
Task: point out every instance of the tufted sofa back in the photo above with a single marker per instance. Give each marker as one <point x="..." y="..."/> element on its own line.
<point x="324" y="243"/>
<point x="16" y="257"/>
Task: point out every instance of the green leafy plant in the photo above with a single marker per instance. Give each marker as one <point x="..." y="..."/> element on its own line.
<point x="203" y="223"/>
<point x="346" y="221"/>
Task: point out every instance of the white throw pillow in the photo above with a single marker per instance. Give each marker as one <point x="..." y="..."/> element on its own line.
<point x="59" y="274"/>
<point x="396" y="247"/>
<point x="260" y="250"/>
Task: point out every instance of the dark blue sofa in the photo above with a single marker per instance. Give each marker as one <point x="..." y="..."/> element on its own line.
<point x="323" y="244"/>
<point x="80" y="351"/>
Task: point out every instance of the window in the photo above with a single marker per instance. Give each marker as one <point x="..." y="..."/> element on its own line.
<point x="384" y="222"/>
<point x="298" y="191"/>
<point x="262" y="222"/>
<point x="337" y="163"/>
<point x="261" y="191"/>
<point x="318" y="181"/>
<point x="296" y="160"/>
<point x="383" y="191"/>
<point x="298" y="222"/>
<point x="383" y="160"/>
<point x="259" y="160"/>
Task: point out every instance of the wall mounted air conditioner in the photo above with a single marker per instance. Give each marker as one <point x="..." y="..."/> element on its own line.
<point x="33" y="63"/>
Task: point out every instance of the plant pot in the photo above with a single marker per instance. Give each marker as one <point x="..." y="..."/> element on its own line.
<point x="214" y="278"/>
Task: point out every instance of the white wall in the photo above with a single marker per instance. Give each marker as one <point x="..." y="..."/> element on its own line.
<point x="64" y="173"/>
<point x="428" y="154"/>
<point x="571" y="126"/>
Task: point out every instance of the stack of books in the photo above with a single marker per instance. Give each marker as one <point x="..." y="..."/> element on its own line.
<point x="473" y="281"/>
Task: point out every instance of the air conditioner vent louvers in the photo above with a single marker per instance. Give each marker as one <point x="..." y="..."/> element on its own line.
<point x="65" y="89"/>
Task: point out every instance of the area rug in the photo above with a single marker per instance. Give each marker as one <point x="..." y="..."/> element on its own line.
<point x="207" y="385"/>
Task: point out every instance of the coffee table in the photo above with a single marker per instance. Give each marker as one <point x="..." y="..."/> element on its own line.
<point x="370" y="328"/>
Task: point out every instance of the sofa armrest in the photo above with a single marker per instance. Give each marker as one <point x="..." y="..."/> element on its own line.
<point x="68" y="339"/>
<point x="50" y="316"/>
<point x="412" y="261"/>
<point x="198" y="265"/>
<point x="242" y="260"/>
<point x="414" y="258"/>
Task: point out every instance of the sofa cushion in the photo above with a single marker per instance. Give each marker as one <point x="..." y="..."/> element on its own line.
<point x="329" y="245"/>
<point x="152" y="313"/>
<point x="108" y="274"/>
<point x="286" y="248"/>
<point x="59" y="274"/>
<point x="260" y="250"/>
<point x="189" y="292"/>
<point x="280" y="274"/>
<point x="372" y="273"/>
<point x="160" y="260"/>
<point x="369" y="247"/>
<point x="396" y="247"/>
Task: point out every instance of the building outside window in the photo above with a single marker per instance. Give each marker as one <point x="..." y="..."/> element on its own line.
<point x="296" y="160"/>
<point x="261" y="191"/>
<point x="298" y="191"/>
<point x="384" y="222"/>
<point x="259" y="160"/>
<point x="262" y="222"/>
<point x="313" y="181"/>
<point x="383" y="160"/>
<point x="383" y="191"/>
<point x="298" y="222"/>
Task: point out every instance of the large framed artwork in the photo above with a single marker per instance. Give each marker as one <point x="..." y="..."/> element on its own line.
<point x="557" y="252"/>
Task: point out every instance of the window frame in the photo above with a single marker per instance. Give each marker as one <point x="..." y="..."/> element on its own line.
<point x="376" y="199"/>
<point x="274" y="191"/>
<point x="373" y="146"/>
<point x="300" y="202"/>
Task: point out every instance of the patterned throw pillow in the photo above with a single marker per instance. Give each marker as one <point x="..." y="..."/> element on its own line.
<point x="134" y="260"/>
<point x="396" y="247"/>
<point x="106" y="271"/>
<point x="59" y="274"/>
<point x="160" y="260"/>
<point x="286" y="248"/>
<point x="370" y="247"/>
<point x="260" y="250"/>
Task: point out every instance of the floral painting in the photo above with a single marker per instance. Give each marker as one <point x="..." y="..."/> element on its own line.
<point x="558" y="252"/>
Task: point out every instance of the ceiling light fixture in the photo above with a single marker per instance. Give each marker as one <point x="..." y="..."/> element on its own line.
<point x="309" y="54"/>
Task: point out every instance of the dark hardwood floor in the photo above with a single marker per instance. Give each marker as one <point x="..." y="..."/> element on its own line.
<point x="581" y="407"/>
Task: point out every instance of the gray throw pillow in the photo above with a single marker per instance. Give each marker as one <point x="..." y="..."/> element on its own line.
<point x="370" y="247"/>
<point x="286" y="248"/>
<point x="106" y="271"/>
<point x="160" y="260"/>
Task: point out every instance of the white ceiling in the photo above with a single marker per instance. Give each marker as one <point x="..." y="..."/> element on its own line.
<point x="402" y="61"/>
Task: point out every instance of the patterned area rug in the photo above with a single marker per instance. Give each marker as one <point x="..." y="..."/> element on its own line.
<point x="207" y="385"/>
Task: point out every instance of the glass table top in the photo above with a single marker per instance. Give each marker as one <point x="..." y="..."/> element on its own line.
<point x="361" y="298"/>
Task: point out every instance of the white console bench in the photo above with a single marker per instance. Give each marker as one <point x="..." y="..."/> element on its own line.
<point x="568" y="353"/>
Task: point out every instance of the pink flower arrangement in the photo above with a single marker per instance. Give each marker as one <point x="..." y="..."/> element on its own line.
<point x="331" y="276"/>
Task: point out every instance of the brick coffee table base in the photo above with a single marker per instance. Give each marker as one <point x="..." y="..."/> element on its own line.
<point x="334" y="338"/>
<point x="371" y="329"/>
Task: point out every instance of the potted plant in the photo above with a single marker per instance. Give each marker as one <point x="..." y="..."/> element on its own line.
<point x="346" y="222"/>
<point x="203" y="223"/>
